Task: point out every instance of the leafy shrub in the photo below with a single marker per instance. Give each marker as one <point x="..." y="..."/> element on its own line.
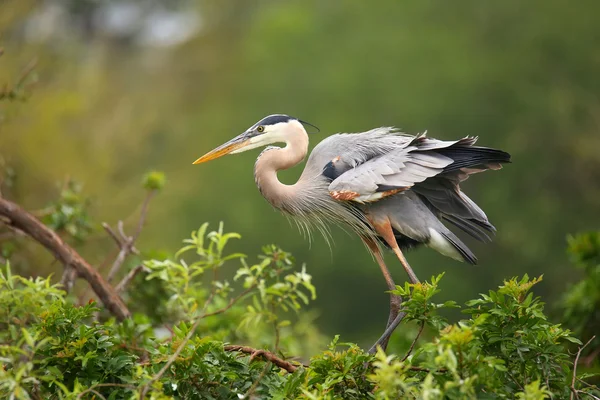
<point x="52" y="348"/>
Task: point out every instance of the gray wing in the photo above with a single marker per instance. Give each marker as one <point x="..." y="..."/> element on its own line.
<point x="411" y="160"/>
<point x="369" y="166"/>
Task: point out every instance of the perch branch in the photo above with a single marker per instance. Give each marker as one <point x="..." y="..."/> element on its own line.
<point x="267" y="355"/>
<point x="18" y="218"/>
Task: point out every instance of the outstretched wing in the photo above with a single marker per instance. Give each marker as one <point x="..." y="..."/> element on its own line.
<point x="390" y="171"/>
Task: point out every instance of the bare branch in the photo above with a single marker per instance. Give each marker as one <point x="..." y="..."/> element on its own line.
<point x="281" y="363"/>
<point x="111" y="233"/>
<point x="129" y="277"/>
<point x="412" y="345"/>
<point x="18" y="218"/>
<point x="143" y="214"/>
<point x="573" y="390"/>
<point x="125" y="250"/>
<point x="68" y="278"/>
<point x="126" y="243"/>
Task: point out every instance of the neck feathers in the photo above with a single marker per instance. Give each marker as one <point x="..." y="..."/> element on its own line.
<point x="275" y="159"/>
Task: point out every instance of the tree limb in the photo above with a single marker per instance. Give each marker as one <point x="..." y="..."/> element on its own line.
<point x="18" y="218"/>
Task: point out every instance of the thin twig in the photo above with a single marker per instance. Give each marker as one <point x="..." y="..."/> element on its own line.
<point x="68" y="278"/>
<point x="125" y="242"/>
<point x="11" y="92"/>
<point x="171" y="360"/>
<point x="252" y="389"/>
<point x="230" y="304"/>
<point x="412" y="345"/>
<point x="421" y="369"/>
<point x="573" y="390"/>
<point x="15" y="216"/>
<point x="191" y="333"/>
<point x="111" y="233"/>
<point x="91" y="391"/>
<point x="118" y="261"/>
<point x="281" y="363"/>
<point x="91" y="388"/>
<point x="143" y="214"/>
<point x="125" y="281"/>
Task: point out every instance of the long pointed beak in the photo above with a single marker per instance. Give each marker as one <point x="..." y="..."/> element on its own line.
<point x="226" y="148"/>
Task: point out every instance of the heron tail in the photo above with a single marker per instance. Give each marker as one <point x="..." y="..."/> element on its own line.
<point x="448" y="244"/>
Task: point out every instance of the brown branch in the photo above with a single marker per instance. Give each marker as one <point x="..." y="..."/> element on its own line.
<point x="125" y="281"/>
<point x="573" y="390"/>
<point x="412" y="345"/>
<point x="267" y="355"/>
<point x="21" y="219"/>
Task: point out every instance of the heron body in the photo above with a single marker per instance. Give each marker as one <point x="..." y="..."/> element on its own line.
<point x="388" y="187"/>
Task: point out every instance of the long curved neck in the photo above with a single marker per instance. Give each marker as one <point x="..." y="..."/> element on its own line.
<point x="277" y="159"/>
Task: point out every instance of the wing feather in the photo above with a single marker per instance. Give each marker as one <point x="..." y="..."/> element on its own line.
<point x="411" y="162"/>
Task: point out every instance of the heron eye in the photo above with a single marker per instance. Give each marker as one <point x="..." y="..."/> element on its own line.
<point x="260" y="129"/>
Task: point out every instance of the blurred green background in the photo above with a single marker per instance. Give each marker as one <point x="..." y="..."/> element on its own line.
<point x="121" y="87"/>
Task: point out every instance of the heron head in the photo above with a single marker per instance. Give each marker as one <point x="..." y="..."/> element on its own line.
<point x="271" y="129"/>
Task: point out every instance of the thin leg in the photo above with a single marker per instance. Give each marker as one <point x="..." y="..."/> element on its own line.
<point x="385" y="230"/>
<point x="395" y="300"/>
<point x="384" y="339"/>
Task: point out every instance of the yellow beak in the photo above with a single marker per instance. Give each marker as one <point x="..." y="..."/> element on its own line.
<point x="224" y="149"/>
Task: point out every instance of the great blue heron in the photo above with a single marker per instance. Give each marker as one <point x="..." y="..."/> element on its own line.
<point x="390" y="188"/>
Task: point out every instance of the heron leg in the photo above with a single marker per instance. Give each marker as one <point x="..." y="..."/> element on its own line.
<point x="384" y="228"/>
<point x="384" y="339"/>
<point x="395" y="300"/>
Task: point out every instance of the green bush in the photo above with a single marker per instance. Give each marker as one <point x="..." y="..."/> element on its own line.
<point x="52" y="348"/>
